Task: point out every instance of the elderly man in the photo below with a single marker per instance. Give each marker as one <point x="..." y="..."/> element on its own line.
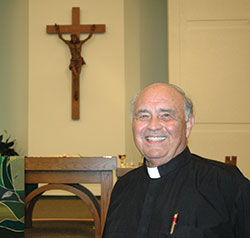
<point x="175" y="193"/>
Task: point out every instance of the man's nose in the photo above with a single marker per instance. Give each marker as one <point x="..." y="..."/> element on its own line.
<point x="154" y="123"/>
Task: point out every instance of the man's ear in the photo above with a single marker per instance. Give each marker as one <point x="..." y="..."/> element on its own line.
<point x="189" y="125"/>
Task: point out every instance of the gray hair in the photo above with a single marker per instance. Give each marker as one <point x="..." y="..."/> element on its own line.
<point x="188" y="104"/>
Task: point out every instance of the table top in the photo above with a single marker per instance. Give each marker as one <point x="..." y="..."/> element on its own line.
<point x="123" y="170"/>
<point x="70" y="163"/>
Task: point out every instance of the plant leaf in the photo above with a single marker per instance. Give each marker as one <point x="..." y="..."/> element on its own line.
<point x="7" y="194"/>
<point x="6" y="173"/>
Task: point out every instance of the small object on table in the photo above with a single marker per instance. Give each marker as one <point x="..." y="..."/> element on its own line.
<point x="122" y="158"/>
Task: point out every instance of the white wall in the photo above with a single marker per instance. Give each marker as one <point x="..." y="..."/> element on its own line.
<point x="36" y="81"/>
<point x="14" y="71"/>
<point x="145" y="55"/>
<point x="100" y="130"/>
<point x="153" y="42"/>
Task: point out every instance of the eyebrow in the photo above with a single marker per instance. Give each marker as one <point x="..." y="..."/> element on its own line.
<point x="141" y="111"/>
<point x="172" y="112"/>
<point x="167" y="110"/>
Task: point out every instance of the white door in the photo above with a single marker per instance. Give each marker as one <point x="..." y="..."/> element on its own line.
<point x="209" y="57"/>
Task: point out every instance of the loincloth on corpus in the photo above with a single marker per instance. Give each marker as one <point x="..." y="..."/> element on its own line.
<point x="76" y="63"/>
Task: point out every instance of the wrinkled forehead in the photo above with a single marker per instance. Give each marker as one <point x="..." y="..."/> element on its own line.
<point x="160" y="96"/>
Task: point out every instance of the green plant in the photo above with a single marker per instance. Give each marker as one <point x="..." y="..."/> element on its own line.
<point x="6" y="146"/>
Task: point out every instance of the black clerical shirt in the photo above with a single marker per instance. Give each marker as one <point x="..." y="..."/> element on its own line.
<point x="212" y="200"/>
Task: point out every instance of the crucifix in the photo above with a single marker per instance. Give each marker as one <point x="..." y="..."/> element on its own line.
<point x="75" y="45"/>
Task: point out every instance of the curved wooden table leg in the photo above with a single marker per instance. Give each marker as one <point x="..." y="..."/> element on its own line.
<point x="82" y="192"/>
<point x="29" y="209"/>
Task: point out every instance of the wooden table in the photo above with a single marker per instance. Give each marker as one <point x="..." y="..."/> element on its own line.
<point x="67" y="173"/>
<point x="122" y="171"/>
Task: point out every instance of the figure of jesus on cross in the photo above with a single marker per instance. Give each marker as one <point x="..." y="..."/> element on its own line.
<point x="75" y="46"/>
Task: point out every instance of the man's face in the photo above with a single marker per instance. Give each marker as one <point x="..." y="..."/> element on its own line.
<point x="159" y="126"/>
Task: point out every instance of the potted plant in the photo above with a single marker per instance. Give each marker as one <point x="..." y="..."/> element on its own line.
<point x="6" y="146"/>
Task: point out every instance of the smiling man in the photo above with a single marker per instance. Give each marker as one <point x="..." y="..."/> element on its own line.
<point x="175" y="193"/>
<point x="160" y="126"/>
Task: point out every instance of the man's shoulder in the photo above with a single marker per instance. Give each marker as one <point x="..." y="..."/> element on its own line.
<point x="218" y="168"/>
<point x="129" y="181"/>
<point x="131" y="174"/>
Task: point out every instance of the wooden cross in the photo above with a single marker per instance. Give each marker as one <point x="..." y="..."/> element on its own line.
<point x="75" y="29"/>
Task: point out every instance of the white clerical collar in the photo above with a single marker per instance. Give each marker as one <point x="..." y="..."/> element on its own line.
<point x="153" y="172"/>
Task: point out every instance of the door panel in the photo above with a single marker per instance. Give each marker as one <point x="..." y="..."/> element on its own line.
<point x="209" y="57"/>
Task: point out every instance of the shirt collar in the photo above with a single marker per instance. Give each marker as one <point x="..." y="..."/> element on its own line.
<point x="153" y="172"/>
<point x="176" y="162"/>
